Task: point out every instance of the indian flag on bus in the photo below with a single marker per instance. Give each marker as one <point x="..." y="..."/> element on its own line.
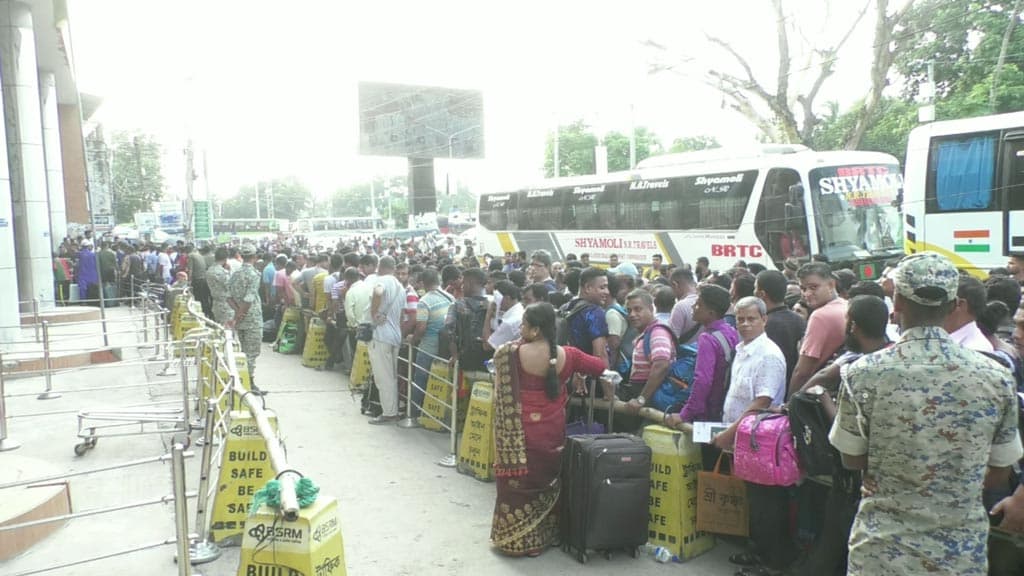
<point x="971" y="241"/>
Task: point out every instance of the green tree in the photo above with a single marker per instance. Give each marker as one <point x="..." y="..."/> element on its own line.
<point x="462" y="200"/>
<point x="617" y="143"/>
<point x="976" y="57"/>
<point x="291" y="200"/>
<point x="351" y="201"/>
<point x="888" y="133"/>
<point x="136" y="174"/>
<point x="694" y="143"/>
<point x="576" y="144"/>
<point x="783" y="105"/>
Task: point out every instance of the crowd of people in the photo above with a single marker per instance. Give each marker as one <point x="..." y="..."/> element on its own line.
<point x="920" y="371"/>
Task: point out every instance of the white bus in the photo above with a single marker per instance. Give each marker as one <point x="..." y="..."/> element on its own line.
<point x="763" y="205"/>
<point x="249" y="227"/>
<point x="965" y="190"/>
<point x="341" y="224"/>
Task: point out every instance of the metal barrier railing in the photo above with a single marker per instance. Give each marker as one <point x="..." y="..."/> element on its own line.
<point x="175" y="411"/>
<point x="451" y="405"/>
<point x="178" y="497"/>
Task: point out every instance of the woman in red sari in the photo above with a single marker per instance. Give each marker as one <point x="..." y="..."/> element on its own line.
<point x="529" y="431"/>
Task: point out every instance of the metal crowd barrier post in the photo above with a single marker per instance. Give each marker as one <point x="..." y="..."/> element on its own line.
<point x="409" y="421"/>
<point x="202" y="549"/>
<point x="49" y="394"/>
<point x="35" y="318"/>
<point x="167" y="355"/>
<point x="185" y="412"/>
<point x="452" y="459"/>
<point x="5" y="442"/>
<point x="180" y="508"/>
<point x="157" y="315"/>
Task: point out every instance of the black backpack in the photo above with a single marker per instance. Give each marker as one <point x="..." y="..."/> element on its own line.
<point x="470" y="319"/>
<point x="810" y="426"/>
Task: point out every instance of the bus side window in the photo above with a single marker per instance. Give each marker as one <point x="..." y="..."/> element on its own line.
<point x="512" y="217"/>
<point x="779" y="222"/>
<point x="607" y="208"/>
<point x="961" y="173"/>
<point x="1014" y="184"/>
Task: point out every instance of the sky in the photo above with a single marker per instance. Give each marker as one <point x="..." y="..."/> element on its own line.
<point x="270" y="89"/>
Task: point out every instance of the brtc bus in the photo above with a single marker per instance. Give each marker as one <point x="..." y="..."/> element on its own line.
<point x="762" y="205"/>
<point x="965" y="190"/>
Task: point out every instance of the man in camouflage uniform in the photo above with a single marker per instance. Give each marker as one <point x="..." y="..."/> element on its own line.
<point x="930" y="422"/>
<point x="217" y="278"/>
<point x="244" y="298"/>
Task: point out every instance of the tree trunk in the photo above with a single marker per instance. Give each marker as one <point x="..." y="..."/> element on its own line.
<point x="881" y="61"/>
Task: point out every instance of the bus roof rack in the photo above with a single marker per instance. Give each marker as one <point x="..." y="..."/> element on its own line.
<point x="714" y="154"/>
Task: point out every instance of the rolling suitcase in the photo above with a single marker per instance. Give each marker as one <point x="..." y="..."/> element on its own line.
<point x="606" y="484"/>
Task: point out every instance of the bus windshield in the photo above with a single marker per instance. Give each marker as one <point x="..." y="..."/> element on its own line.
<point x="856" y="210"/>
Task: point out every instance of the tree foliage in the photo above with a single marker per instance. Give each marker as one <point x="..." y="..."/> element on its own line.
<point x="694" y="143"/>
<point x="617" y="143"/>
<point x="291" y="200"/>
<point x="576" y="144"/>
<point x="137" y="178"/>
<point x="977" y="58"/>
<point x="785" y="108"/>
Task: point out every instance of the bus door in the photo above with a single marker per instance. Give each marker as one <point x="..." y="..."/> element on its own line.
<point x="780" y="222"/>
<point x="1013" y="192"/>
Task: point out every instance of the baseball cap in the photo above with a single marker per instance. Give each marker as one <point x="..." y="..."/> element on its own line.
<point x="927" y="278"/>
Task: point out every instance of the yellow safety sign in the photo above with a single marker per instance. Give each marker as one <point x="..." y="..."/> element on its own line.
<point x="309" y="546"/>
<point x="244" y="468"/>
<point x="314" y="353"/>
<point x="292" y="314"/>
<point x="320" y="298"/>
<point x="672" y="513"/>
<point x="476" y="452"/>
<point x="361" y="371"/>
<point x="438" y="399"/>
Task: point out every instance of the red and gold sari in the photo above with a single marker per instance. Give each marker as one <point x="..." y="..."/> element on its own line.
<point x="529" y="432"/>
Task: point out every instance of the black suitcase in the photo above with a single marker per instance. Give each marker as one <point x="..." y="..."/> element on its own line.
<point x="606" y="486"/>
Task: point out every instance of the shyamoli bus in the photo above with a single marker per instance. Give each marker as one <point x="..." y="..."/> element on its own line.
<point x="965" y="190"/>
<point x="764" y="205"/>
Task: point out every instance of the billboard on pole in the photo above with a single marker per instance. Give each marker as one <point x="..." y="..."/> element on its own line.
<point x="170" y="217"/>
<point x="420" y="121"/>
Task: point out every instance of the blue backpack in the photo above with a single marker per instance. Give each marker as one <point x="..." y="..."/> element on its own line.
<point x="675" y="389"/>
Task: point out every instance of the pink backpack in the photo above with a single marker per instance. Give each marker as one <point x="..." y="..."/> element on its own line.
<point x="765" y="453"/>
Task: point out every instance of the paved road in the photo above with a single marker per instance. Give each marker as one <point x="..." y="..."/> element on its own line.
<point x="400" y="512"/>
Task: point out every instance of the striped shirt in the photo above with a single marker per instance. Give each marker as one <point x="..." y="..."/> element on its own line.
<point x="661" y="349"/>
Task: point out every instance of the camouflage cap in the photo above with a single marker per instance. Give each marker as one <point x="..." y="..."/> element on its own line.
<point x="247" y="250"/>
<point x="927" y="278"/>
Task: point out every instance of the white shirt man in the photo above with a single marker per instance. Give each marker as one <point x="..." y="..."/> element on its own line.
<point x="508" y="326"/>
<point x="759" y="371"/>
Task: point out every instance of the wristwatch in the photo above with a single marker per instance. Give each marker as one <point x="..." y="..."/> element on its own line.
<point x="817" y="390"/>
<point x="641" y="400"/>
